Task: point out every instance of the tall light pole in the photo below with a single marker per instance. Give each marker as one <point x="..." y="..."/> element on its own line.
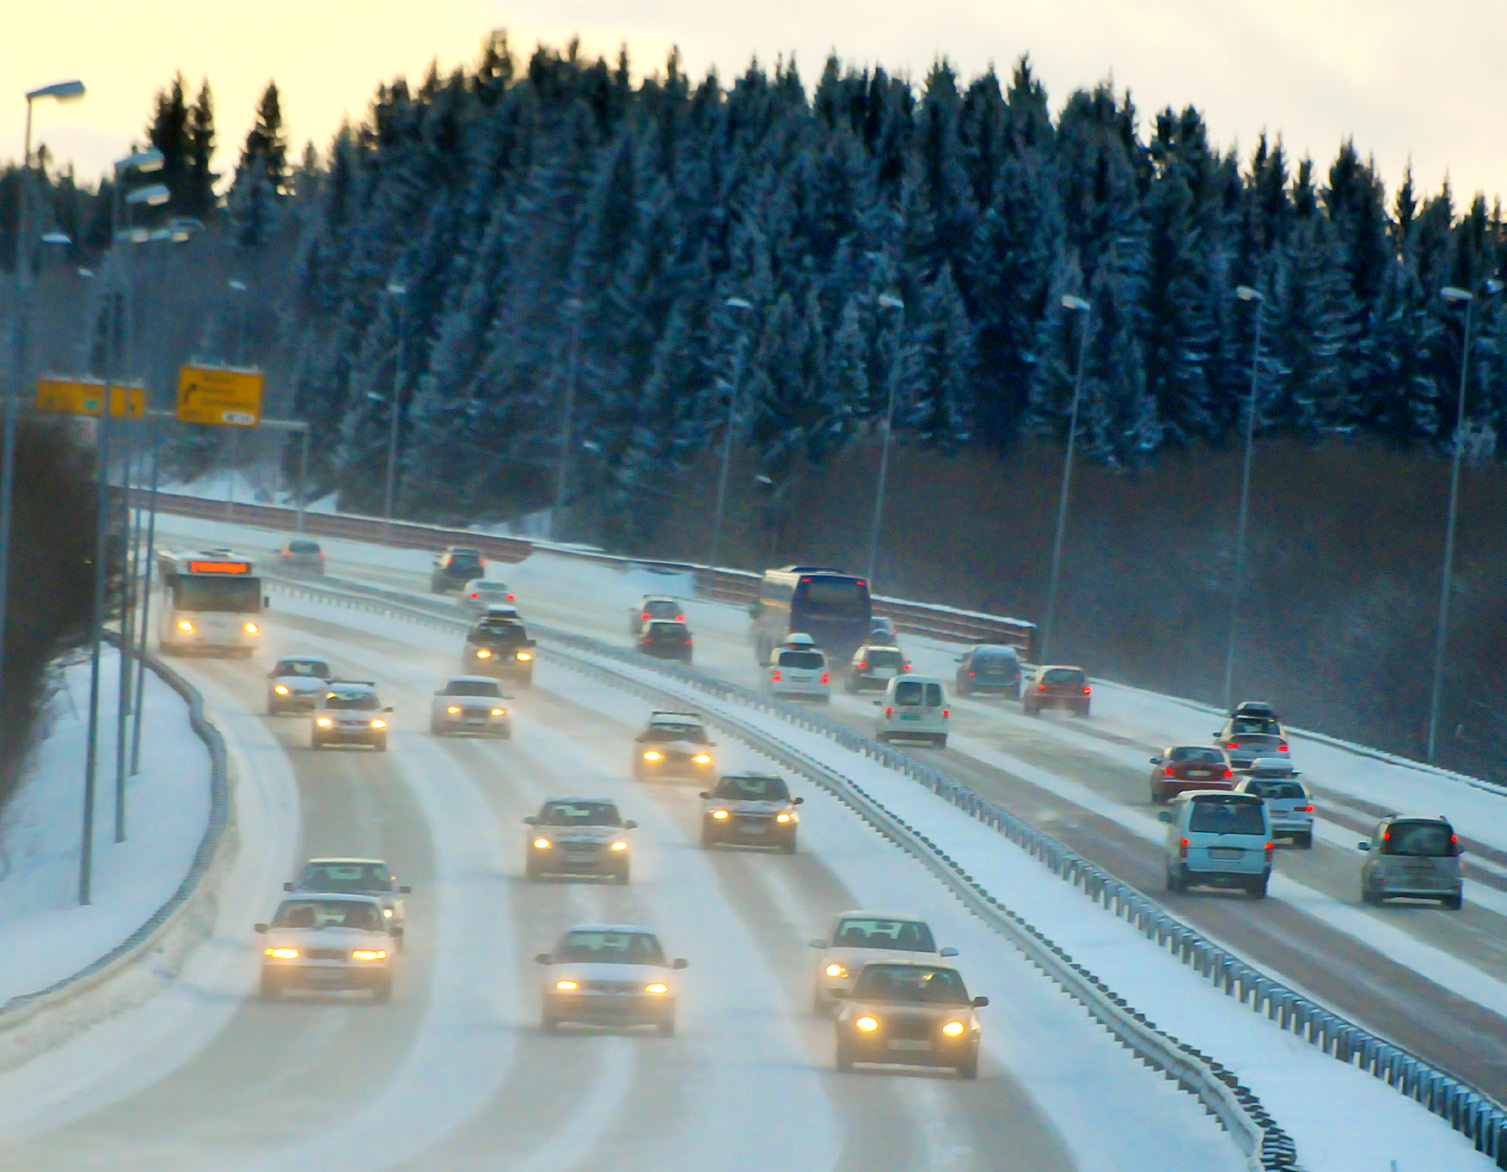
<point x="572" y="306"/>
<point x="400" y="292"/>
<point x="63" y="91"/>
<point x="1452" y="293"/>
<point x="886" y="301"/>
<point x="742" y="305"/>
<point x="237" y="287"/>
<point x="1254" y="297"/>
<point x="1075" y="305"/>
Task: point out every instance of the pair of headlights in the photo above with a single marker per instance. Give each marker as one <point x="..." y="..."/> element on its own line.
<point x="328" y="722"/>
<point x="454" y="710"/>
<point x="367" y="954"/>
<point x="656" y="755"/>
<point x="868" y="1025"/>
<point x="722" y="816"/>
<point x="187" y="627"/>
<point x="544" y="844"/>
<point x="569" y="986"/>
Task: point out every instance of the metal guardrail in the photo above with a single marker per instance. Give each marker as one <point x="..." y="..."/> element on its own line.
<point x="1264" y="1144"/>
<point x="736" y="586"/>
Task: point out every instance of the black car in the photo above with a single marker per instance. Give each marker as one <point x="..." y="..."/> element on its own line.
<point x="454" y="566"/>
<point x="665" y="639"/>
<point x="989" y="667"/>
<point x="499" y="647"/>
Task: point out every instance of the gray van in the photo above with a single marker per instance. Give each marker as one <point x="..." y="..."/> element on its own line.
<point x="1413" y="856"/>
<point x="1218" y="839"/>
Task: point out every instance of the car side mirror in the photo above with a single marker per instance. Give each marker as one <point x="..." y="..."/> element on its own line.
<point x="396" y="931"/>
<point x="630" y="824"/>
<point x="840" y="994"/>
<point x="703" y="794"/>
<point x="287" y="886"/>
<point x="1215" y="734"/>
<point x="531" y="820"/>
<point x="1296" y="773"/>
<point x="1363" y="846"/>
<point x="797" y="801"/>
<point x="1156" y="760"/>
<point x="817" y="943"/>
<point x="980" y="1002"/>
<point x="878" y="703"/>
<point x="541" y="958"/>
<point x="959" y="659"/>
<point x="266" y="602"/>
<point x="948" y="952"/>
<point x="439" y="691"/>
<point x="678" y="963"/>
<point x="1164" y="815"/>
<point x="272" y="675"/>
<point x="755" y="609"/>
<point x="711" y="744"/>
<point x="638" y="740"/>
<point x="405" y="890"/>
<point x="262" y="928"/>
<point x="388" y="708"/>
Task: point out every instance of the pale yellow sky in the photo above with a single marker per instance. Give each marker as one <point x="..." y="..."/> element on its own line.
<point x="1405" y="79"/>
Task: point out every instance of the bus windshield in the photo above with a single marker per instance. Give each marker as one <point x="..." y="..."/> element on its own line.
<point x="833" y="598"/>
<point x="217" y="595"/>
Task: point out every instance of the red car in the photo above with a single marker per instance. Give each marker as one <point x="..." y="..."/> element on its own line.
<point x="1056" y="686"/>
<point x="1185" y="767"/>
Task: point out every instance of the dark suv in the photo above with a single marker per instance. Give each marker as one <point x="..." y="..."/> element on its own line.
<point x="989" y="667"/>
<point x="454" y="566"/>
<point x="1057" y="687"/>
<point x="500" y="648"/>
<point x="665" y="639"/>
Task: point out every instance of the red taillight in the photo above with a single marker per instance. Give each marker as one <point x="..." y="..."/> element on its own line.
<point x="644" y="616"/>
<point x="680" y="618"/>
<point x="945" y="714"/>
<point x="1227" y="773"/>
<point x="688" y="643"/>
<point x="475" y="594"/>
<point x="512" y="598"/>
<point x="1086" y="689"/>
<point x="1281" y="748"/>
<point x="1269" y="848"/>
<point x="1041" y="687"/>
<point x="1182" y="849"/>
<point x="861" y="666"/>
<point x="824" y="674"/>
<point x="287" y="553"/>
<point x="1168" y="771"/>
<point x="906" y="667"/>
<point x="776" y="674"/>
<point x="1232" y="745"/>
<point x="888" y="711"/>
<point x="970" y="673"/>
<point x="1308" y="809"/>
<point x="1386" y="834"/>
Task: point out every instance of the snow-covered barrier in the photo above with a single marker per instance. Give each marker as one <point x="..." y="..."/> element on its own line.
<point x="142" y="964"/>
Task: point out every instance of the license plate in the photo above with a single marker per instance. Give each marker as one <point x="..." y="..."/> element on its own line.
<point x="751" y="828"/>
<point x="1200" y="773"/>
<point x="909" y="1044"/>
<point x="1225" y="852"/>
<point x="910" y="716"/>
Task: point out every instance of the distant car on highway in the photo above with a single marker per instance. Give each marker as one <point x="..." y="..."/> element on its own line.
<point x="500" y="647"/>
<point x="914" y="708"/>
<point x="1252" y="730"/>
<point x="480" y="593"/>
<point x="909" y="1013"/>
<point x="654" y="606"/>
<point x="348" y="712"/>
<point x="858" y="937"/>
<point x="1180" y="768"/>
<point x="358" y="877"/>
<point x="988" y="667"/>
<point x="295" y="682"/>
<point x="665" y="639"/>
<point x="1287" y="799"/>
<point x="578" y="836"/>
<point x="875" y="664"/>
<point x="673" y="744"/>
<point x="454" y="566"/>
<point x="1057" y="686"/>
<point x="609" y="975"/>
<point x="1412" y="856"/>
<point x="300" y="555"/>
<point x="1217" y="839"/>
<point x="797" y="670"/>
<point x="471" y="704"/>
<point x="327" y="942"/>
<point x="750" y="809"/>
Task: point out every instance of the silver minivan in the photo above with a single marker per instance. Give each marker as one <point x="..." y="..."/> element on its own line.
<point x="1218" y="839"/>
<point x="913" y="708"/>
<point x="1415" y="857"/>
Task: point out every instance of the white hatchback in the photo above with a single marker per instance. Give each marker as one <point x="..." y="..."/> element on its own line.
<point x="913" y="708"/>
<point x="797" y="669"/>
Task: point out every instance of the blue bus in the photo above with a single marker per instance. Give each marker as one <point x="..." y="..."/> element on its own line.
<point x="829" y="605"/>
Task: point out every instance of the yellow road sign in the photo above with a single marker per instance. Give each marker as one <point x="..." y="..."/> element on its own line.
<point x="85" y="397"/>
<point x="219" y="395"/>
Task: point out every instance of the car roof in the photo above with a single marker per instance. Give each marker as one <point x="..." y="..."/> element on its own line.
<point x="461" y="549"/>
<point x="314" y="862"/>
<point x="670" y="714"/>
<point x="497" y="582"/>
<point x="1440" y="818"/>
<point x="356" y="685"/>
<point x="1223" y="795"/>
<point x="1268" y="763"/>
<point x="798" y="639"/>
<point x="907" y="962"/>
<point x="578" y="798"/>
<point x="1055" y="666"/>
<point x="879" y="915"/>
<point x="911" y="676"/>
<point x="664" y="623"/>
<point x="659" y="598"/>
<point x="303" y="659"/>
<point x="611" y="928"/>
<point x="359" y="897"/>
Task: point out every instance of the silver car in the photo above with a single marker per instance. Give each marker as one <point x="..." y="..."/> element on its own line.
<point x="471" y="704"/>
<point x="480" y="593"/>
<point x="1412" y="857"/>
<point x="1287" y="799"/>
<point x="295" y="683"/>
<point x="330" y="942"/>
<point x="609" y="975"/>
<point x="358" y="877"/>
<point x="857" y="938"/>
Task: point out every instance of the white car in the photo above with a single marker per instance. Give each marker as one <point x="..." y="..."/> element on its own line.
<point x="479" y="593"/>
<point x="609" y="975"/>
<point x="797" y="669"/>
<point x="471" y="704"/>
<point x="858" y="937"/>
<point x="578" y="836"/>
<point x="295" y="683"/>
<point x="325" y="941"/>
<point x="1288" y="802"/>
<point x="913" y="708"/>
<point x="358" y="877"/>
<point x="347" y="712"/>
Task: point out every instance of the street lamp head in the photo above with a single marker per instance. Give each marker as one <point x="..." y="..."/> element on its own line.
<point x="62" y="91"/>
<point x="87" y="274"/>
<point x="153" y="196"/>
<point x="891" y="301"/>
<point x="396" y="289"/>
<point x="1246" y="293"/>
<point x="238" y="286"/>
<point x="1076" y="304"/>
<point x="143" y="161"/>
<point x="57" y="238"/>
<point x="1455" y="293"/>
<point x="1493" y="285"/>
<point x="738" y="303"/>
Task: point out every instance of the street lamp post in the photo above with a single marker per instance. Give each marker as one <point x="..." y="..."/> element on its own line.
<point x="1076" y="305"/>
<point x="1254" y="296"/>
<point x="63" y="91"/>
<point x="886" y="301"/>
<point x="738" y="303"/>
<point x="239" y="287"/>
<point x="573" y="307"/>
<point x="400" y="292"/>
<point x="1451" y="293"/>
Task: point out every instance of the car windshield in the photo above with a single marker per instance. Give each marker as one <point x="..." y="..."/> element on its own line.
<point x="1434" y="840"/>
<point x="995" y="658"/>
<point x="488" y="587"/>
<point x="1250" y="726"/>
<point x="910" y="983"/>
<point x="474" y="688"/>
<point x="810" y="660"/>
<point x="667" y="633"/>
<point x="1275" y="789"/>
<point x="217" y="595"/>
<point x="884" y="657"/>
<point x="314" y="669"/>
<point x="1218" y="816"/>
<point x="593" y="946"/>
<point x="1062" y="675"/>
<point x="752" y="788"/>
<point x="352" y="877"/>
<point x="303" y="547"/>
<point x="328" y="913"/>
<point x="494" y="631"/>
<point x="694" y="733"/>
<point x="661" y="608"/>
<point x="869" y="932"/>
<point x="579" y="814"/>
<point x="914" y="692"/>
<point x="358" y="698"/>
<point x="1196" y="753"/>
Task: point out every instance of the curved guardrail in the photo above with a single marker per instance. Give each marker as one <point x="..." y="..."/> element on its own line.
<point x="1264" y="1144"/>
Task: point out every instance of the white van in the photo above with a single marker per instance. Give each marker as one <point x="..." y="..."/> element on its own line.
<point x="913" y="708"/>
<point x="1218" y="839"/>
<point x="798" y="669"/>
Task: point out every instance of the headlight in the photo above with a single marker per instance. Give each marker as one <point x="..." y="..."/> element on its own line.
<point x="702" y="758"/>
<point x="953" y="1028"/>
<point x="524" y="655"/>
<point x="283" y="953"/>
<point x="483" y="653"/>
<point x="782" y="817"/>
<point x="565" y="986"/>
<point x="369" y="954"/>
<point x="657" y="987"/>
<point x="387" y="911"/>
<point x="654" y="755"/>
<point x="620" y="845"/>
<point x="836" y="970"/>
<point x="379" y="723"/>
<point x="541" y="844"/>
<point x="867" y="1024"/>
<point x="185" y="625"/>
<point x="453" y="710"/>
<point x="499" y="712"/>
<point x="281" y="689"/>
<point x="251" y="628"/>
<point x="720" y="815"/>
<point x="324" y="722"/>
